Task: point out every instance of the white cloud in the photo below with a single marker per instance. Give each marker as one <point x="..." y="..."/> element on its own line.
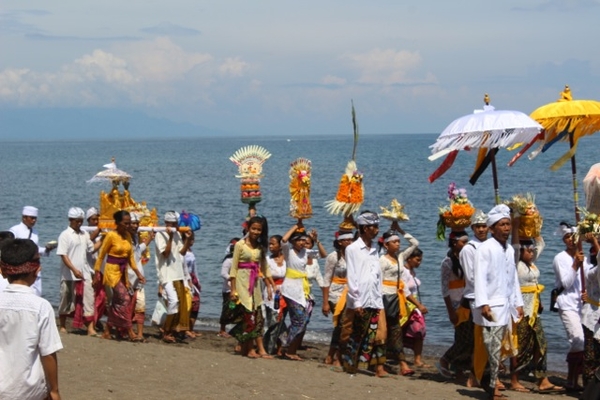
<point x="389" y="67"/>
<point x="147" y="73"/>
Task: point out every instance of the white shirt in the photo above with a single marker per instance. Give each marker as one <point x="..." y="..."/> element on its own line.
<point x="138" y="251"/>
<point x="225" y="269"/>
<point x="293" y="288"/>
<point x="496" y="283"/>
<point x="590" y="313"/>
<point x="467" y="260"/>
<point x="76" y="246"/>
<point x="334" y="267"/>
<point x="364" y="276"/>
<point x="570" y="280"/>
<point x="391" y="271"/>
<point x="169" y="269"/>
<point x="277" y="272"/>
<point x="27" y="332"/>
<point x="21" y="231"/>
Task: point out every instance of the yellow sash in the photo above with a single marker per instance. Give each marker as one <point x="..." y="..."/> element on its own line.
<point x="537" y="289"/>
<point x="401" y="297"/>
<point x="593" y="302"/>
<point x="341" y="304"/>
<point x="456" y="284"/>
<point x="294" y="274"/>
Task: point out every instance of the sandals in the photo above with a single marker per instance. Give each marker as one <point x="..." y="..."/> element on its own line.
<point x="520" y="389"/>
<point x="292" y="357"/>
<point x="551" y="389"/>
<point x="169" y="339"/>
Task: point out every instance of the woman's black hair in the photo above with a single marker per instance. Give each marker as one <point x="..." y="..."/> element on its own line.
<point x="416" y="253"/>
<point x="457" y="269"/>
<point x="118" y="216"/>
<point x="263" y="240"/>
<point x="279" y="238"/>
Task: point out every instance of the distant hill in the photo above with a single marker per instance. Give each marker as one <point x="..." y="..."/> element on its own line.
<point x="91" y="124"/>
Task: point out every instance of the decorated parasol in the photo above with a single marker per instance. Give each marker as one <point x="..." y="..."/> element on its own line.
<point x="300" y="181"/>
<point x="487" y="130"/>
<point x="565" y="120"/>
<point x="350" y="194"/>
<point x="111" y="173"/>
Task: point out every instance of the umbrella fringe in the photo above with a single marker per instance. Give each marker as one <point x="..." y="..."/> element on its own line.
<point x="493" y="138"/>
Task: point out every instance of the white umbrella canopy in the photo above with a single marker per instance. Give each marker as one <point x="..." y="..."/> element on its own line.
<point x="111" y="173"/>
<point x="487" y="130"/>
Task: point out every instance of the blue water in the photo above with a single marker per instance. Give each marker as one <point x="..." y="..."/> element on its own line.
<point x="196" y="175"/>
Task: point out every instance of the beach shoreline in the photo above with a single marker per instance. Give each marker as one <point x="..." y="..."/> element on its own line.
<point x="207" y="368"/>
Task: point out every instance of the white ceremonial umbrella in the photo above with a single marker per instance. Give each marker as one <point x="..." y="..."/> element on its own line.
<point x="486" y="130"/>
<point x="111" y="173"/>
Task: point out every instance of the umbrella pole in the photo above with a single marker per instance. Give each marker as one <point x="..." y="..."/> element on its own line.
<point x="495" y="177"/>
<point x="576" y="203"/>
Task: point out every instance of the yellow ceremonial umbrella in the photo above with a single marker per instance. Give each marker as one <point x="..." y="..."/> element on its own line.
<point x="565" y="120"/>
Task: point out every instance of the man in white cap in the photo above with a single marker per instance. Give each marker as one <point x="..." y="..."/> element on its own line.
<point x="568" y="282"/>
<point x="170" y="249"/>
<point x="76" y="292"/>
<point x="25" y="230"/>
<point x="497" y="291"/>
<point x="362" y="343"/>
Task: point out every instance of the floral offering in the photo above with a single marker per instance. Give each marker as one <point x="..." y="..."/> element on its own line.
<point x="300" y="180"/>
<point x="524" y="209"/>
<point x="590" y="223"/>
<point x="457" y="215"/>
<point x="395" y="212"/>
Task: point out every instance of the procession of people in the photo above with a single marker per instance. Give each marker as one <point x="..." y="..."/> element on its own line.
<point x="370" y="288"/>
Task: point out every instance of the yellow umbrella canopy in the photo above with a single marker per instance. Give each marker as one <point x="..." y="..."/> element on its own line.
<point x="567" y="120"/>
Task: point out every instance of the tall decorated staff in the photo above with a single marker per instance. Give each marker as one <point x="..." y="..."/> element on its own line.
<point x="350" y="194"/>
<point x="300" y="181"/>
<point x="524" y="209"/>
<point x="249" y="160"/>
<point x="457" y="215"/>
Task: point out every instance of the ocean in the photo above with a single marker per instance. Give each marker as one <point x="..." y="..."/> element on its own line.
<point x="196" y="175"/>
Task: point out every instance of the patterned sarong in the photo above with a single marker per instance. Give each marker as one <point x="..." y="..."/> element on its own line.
<point x="364" y="348"/>
<point x="460" y="355"/>
<point x="531" y="341"/>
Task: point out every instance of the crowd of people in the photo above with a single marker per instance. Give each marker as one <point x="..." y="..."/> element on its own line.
<point x="370" y="289"/>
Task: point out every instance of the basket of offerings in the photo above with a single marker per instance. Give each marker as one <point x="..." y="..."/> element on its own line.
<point x="249" y="160"/>
<point x="525" y="210"/>
<point x="300" y="181"/>
<point x="457" y="215"/>
<point x="590" y="223"/>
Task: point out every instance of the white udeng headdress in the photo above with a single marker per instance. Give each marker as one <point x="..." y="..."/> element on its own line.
<point x="497" y="213"/>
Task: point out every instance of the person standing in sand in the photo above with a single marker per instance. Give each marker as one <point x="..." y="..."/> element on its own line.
<point x="25" y="230"/>
<point x="29" y="339"/>
<point x="497" y="294"/>
<point x="248" y="263"/>
<point x="118" y="250"/>
<point x="139" y="295"/>
<point x="76" y="291"/>
<point x="170" y="249"/>
<point x="364" y="332"/>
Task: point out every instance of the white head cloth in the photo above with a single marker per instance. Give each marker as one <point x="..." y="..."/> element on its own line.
<point x="75" y="213"/>
<point x="91" y="212"/>
<point x="30" y="211"/>
<point x="497" y="213"/>
<point x="171" y="216"/>
<point x="368" y="218"/>
<point x="564" y="230"/>
<point x="345" y="236"/>
<point x="134" y="217"/>
<point x="479" y="218"/>
<point x="393" y="237"/>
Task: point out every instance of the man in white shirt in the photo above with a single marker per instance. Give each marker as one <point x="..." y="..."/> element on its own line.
<point x="25" y="230"/>
<point x="363" y="332"/>
<point x="170" y="249"/>
<point x="76" y="291"/>
<point x="497" y="291"/>
<point x="29" y="339"/>
<point x="467" y="254"/>
<point x="567" y="266"/>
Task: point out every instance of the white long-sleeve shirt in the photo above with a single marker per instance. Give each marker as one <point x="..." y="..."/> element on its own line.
<point x="496" y="283"/>
<point x="569" y="279"/>
<point x="467" y="260"/>
<point x="21" y="231"/>
<point x="364" y="276"/>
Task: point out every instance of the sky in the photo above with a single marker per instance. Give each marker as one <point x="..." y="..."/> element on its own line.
<point x="275" y="67"/>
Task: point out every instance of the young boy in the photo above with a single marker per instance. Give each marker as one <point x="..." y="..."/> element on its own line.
<point x="29" y="338"/>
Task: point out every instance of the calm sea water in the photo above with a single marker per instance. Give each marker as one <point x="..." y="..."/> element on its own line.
<point x="196" y="175"/>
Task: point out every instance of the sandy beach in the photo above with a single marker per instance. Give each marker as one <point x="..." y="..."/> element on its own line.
<point x="206" y="368"/>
